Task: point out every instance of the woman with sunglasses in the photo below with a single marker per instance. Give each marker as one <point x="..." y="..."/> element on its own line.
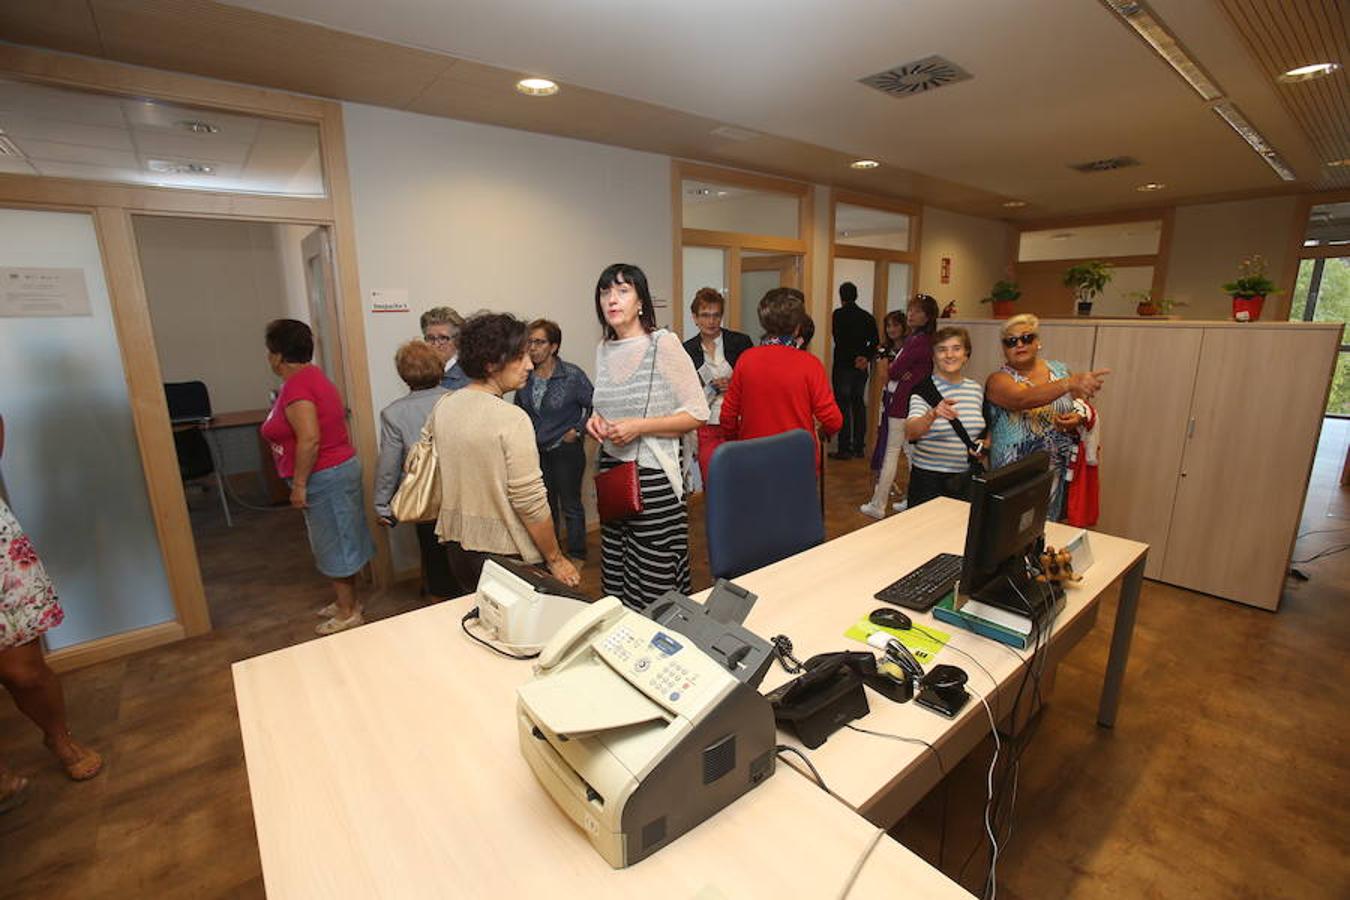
<point x="1031" y="404"/>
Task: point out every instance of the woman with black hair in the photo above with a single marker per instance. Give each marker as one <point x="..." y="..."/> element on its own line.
<point x="307" y="429"/>
<point x="493" y="498"/>
<point x="895" y="328"/>
<point x="647" y="398"/>
<point x="911" y="365"/>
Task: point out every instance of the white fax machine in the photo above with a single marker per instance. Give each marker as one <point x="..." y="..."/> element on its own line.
<point x="636" y="733"/>
<point x="520" y="607"/>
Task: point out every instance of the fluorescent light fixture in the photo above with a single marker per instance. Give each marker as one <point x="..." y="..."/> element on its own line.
<point x="1339" y="163"/>
<point x="536" y="87"/>
<point x="1014" y="204"/>
<point x="1229" y="113"/>
<point x="1137" y="15"/>
<point x="1308" y="73"/>
<point x="196" y="126"/>
<point x="1149" y="186"/>
<point x="176" y="167"/>
<point x="864" y="164"/>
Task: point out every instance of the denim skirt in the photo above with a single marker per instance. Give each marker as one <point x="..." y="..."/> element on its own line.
<point x="336" y="522"/>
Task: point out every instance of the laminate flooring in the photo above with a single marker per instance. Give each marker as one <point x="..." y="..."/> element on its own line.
<point x="1227" y="774"/>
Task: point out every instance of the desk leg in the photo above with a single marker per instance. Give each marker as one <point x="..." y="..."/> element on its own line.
<point x="1120" y="642"/>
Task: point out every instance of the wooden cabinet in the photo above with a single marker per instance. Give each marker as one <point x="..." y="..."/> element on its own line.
<point x="1208" y="435"/>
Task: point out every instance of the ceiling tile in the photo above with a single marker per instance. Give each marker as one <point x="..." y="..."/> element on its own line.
<point x="47" y="151"/>
<point x="60" y="24"/>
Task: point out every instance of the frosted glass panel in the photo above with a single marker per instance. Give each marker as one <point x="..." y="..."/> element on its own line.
<point x="71" y="464"/>
<point x="703" y="267"/>
<point x="862" y="226"/>
<point x="897" y="286"/>
<point x="720" y="207"/>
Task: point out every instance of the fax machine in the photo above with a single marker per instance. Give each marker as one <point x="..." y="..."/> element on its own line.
<point x="520" y="607"/>
<point x="637" y="733"/>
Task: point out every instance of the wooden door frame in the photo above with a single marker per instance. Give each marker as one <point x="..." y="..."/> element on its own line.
<point x="1283" y="302"/>
<point x="111" y="207"/>
<point x="732" y="241"/>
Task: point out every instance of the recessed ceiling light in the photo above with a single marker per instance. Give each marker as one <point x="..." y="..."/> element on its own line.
<point x="864" y="164"/>
<point x="196" y="126"/>
<point x="1014" y="204"/>
<point x="1151" y="186"/>
<point x="721" y="193"/>
<point x="1307" y="73"/>
<point x="536" y="87"/>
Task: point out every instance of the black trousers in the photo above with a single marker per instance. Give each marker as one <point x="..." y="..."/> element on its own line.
<point x="564" y="466"/>
<point x="467" y="565"/>
<point x="436" y="577"/>
<point x="925" y="485"/>
<point x="850" y="392"/>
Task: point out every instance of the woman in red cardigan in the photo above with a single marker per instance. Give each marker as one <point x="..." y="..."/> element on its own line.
<point x="775" y="387"/>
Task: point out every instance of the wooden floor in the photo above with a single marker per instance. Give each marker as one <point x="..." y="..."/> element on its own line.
<point x="1227" y="775"/>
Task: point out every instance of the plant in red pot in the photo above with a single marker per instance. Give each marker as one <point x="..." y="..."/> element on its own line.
<point x="1250" y="289"/>
<point x="1146" y="306"/>
<point x="1003" y="295"/>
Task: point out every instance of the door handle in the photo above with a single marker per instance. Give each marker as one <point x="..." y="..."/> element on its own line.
<point x="1190" y="428"/>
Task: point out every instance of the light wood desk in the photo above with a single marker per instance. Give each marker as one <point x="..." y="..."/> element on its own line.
<point x="383" y="762"/>
<point x="815" y="596"/>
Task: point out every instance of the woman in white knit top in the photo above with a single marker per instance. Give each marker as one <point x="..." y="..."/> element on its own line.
<point x="647" y="397"/>
<point x="492" y="489"/>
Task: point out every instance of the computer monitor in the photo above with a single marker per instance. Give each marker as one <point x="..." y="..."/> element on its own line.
<point x="1007" y="518"/>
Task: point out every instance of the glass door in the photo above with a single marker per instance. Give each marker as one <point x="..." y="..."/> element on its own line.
<point x="72" y="465"/>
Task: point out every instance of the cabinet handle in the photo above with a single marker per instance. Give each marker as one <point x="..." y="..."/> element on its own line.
<point x="1190" y="428"/>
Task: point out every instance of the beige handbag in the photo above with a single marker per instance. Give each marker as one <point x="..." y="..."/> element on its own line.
<point x="418" y="498"/>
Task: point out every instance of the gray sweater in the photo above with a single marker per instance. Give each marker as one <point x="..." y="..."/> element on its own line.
<point x="400" y="426"/>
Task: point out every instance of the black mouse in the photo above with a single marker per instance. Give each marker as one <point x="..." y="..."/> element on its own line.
<point x="890" y="618"/>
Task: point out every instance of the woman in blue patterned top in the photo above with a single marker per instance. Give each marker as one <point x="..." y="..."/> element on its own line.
<point x="557" y="398"/>
<point x="1031" y="404"/>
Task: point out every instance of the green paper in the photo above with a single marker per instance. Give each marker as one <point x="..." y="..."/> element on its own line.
<point x="924" y="641"/>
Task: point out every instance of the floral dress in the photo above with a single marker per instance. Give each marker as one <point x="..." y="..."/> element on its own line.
<point x="1015" y="434"/>
<point x="28" y="606"/>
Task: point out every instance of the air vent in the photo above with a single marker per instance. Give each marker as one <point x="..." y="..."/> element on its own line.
<point x="8" y="147"/>
<point x="917" y="77"/>
<point x="728" y="133"/>
<point x="1105" y="165"/>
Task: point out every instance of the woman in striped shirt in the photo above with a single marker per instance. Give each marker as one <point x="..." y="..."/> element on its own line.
<point x="941" y="460"/>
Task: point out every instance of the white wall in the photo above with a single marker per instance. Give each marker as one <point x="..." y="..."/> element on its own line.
<point x="476" y="217"/>
<point x="1209" y="242"/>
<point x="978" y="249"/>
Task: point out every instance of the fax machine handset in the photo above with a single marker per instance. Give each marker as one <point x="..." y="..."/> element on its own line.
<point x="576" y="632"/>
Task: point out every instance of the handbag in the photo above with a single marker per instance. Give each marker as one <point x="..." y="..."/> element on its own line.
<point x="618" y="494"/>
<point x="418" y="498"/>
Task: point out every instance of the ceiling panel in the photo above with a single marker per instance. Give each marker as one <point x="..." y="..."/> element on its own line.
<point x="65" y="132"/>
<point x="43" y="151"/>
<point x="1286" y="34"/>
<point x="181" y="145"/>
<point x="60" y="24"/>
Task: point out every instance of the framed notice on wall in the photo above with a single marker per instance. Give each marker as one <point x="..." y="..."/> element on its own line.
<point x="43" y="292"/>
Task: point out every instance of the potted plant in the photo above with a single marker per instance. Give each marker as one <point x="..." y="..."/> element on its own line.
<point x="1147" y="306"/>
<point x="1087" y="281"/>
<point x="1250" y="289"/>
<point x="1003" y="295"/>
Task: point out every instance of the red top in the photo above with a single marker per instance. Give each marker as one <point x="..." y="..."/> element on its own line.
<point x="335" y="447"/>
<point x="775" y="389"/>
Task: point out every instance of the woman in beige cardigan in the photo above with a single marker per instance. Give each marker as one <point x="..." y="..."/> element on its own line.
<point x="492" y="489"/>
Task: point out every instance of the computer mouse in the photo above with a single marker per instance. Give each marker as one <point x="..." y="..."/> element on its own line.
<point x="890" y="618"/>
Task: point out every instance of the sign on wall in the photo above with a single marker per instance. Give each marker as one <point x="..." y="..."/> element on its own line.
<point x="389" y="300"/>
<point x="946" y="270"/>
<point x="27" y="292"/>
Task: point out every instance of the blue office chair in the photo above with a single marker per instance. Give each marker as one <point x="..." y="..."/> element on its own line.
<point x="761" y="502"/>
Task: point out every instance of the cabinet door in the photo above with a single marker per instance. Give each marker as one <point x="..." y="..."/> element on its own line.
<point x="986" y="353"/>
<point x="1256" y="413"/>
<point x="1144" y="409"/>
<point x="1069" y="344"/>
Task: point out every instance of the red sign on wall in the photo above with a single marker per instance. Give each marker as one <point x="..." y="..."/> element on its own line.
<point x="946" y="270"/>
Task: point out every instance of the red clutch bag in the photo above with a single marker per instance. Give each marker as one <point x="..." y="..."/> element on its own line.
<point x="617" y="495"/>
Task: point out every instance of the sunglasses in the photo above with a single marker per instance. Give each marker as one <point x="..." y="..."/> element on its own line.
<point x="1026" y="340"/>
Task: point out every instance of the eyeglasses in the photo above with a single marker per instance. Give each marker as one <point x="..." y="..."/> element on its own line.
<point x="437" y="338"/>
<point x="1026" y="340"/>
<point x="538" y="342"/>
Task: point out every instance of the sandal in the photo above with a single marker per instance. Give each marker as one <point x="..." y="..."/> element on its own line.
<point x="82" y="764"/>
<point x="13" y="791"/>
<point x="334" y="625"/>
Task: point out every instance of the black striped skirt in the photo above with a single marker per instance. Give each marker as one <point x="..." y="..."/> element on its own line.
<point x="646" y="555"/>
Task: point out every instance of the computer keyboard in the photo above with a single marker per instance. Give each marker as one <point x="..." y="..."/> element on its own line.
<point x="926" y="585"/>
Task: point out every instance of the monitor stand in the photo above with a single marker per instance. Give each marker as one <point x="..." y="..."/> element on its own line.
<point x="1013" y="590"/>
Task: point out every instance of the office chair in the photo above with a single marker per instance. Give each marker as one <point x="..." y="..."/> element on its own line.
<point x="190" y="405"/>
<point x="761" y="502"/>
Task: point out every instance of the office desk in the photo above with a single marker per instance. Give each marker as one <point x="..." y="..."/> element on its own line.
<point x="383" y="762"/>
<point x="814" y="596"/>
<point x="273" y="486"/>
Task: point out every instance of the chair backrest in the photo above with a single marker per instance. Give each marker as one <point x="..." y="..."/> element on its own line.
<point x="187" y="400"/>
<point x="761" y="502"/>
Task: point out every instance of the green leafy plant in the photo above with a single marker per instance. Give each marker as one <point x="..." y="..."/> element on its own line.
<point x="1252" y="280"/>
<point x="1163" y="305"/>
<point x="1088" y="279"/>
<point x="1003" y="291"/>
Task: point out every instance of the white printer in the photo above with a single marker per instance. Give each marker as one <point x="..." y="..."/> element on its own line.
<point x="521" y="607"/>
<point x="637" y="733"/>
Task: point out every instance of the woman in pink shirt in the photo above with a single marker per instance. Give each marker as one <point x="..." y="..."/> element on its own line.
<point x="307" y="429"/>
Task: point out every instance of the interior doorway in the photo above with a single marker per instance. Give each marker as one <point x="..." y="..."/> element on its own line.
<point x="211" y="287"/>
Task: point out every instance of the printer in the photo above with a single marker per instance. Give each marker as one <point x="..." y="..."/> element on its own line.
<point x="637" y="733"/>
<point x="521" y="607"/>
